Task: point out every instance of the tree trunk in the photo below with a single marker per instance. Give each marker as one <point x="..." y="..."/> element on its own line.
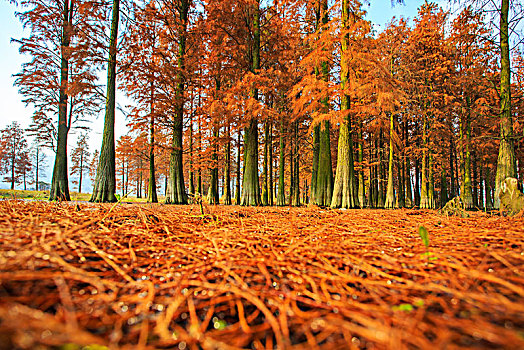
<point x="281" y="197"/>
<point x="381" y="171"/>
<point x="324" y="187"/>
<point x="425" y="202"/>
<point x="431" y="184"/>
<point x="407" y="177"/>
<point x="506" y="162"/>
<point x="151" y="190"/>
<point x="465" y="135"/>
<point x="345" y="192"/>
<point x="13" y="159"/>
<point x="139" y="184"/>
<point x="416" y="192"/>
<point x="295" y="200"/>
<point x="37" y="186"/>
<point x="390" y="194"/>
<point x="291" y="167"/>
<point x="251" y="185"/>
<point x="105" y="181"/>
<point x="176" y="185"/>
<point x="270" y="190"/>
<point x="60" y="183"/>
<point x="227" y="169"/>
<point x="81" y="172"/>
<point x="481" y="189"/>
<point x="237" y="187"/>
<point x="345" y="186"/>
<point x="489" y="201"/>
<point x="361" y="188"/>
<point x="474" y="182"/>
<point x="123" y="174"/>
<point x="199" y="177"/>
<point x="373" y="183"/>
<point x="191" y="165"/>
<point x="443" y="188"/>
<point x="265" y="166"/>
<point x="214" y="198"/>
<point x="452" y="189"/>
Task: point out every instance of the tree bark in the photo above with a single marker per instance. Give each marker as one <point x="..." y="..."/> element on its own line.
<point x="324" y="187"/>
<point x="314" y="166"/>
<point x="345" y="192"/>
<point x="227" y="169"/>
<point x="251" y="185"/>
<point x="465" y="135"/>
<point x="452" y="189"/>
<point x="237" y="187"/>
<point x="214" y="198"/>
<point x="361" y="187"/>
<point x="151" y="190"/>
<point x="105" y="181"/>
<point x="295" y="198"/>
<point x="177" y="190"/>
<point x="60" y="183"/>
<point x="281" y="197"/>
<point x="265" y="166"/>
<point x="489" y="201"/>
<point x="270" y="190"/>
<point x="506" y="162"/>
<point x="390" y="194"/>
<point x="81" y="172"/>
<point x="425" y="202"/>
<point x="191" y="155"/>
<point x="37" y="186"/>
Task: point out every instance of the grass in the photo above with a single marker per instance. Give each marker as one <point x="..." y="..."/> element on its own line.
<point x="44" y="195"/>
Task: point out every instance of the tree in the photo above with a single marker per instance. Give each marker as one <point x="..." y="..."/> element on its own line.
<point x="143" y="79"/>
<point x="105" y="181"/>
<point x="15" y="160"/>
<point x="93" y="165"/>
<point x="345" y="192"/>
<point x="506" y="162"/>
<point x="250" y="183"/>
<point x="58" y="79"/>
<point x="39" y="161"/>
<point x="79" y="159"/>
<point x="324" y="174"/>
<point x="177" y="17"/>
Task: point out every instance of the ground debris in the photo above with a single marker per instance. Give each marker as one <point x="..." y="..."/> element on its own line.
<point x="159" y="276"/>
<point x="454" y="207"/>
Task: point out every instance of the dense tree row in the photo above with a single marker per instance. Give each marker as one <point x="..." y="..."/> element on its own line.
<point x="281" y="102"/>
<point x="21" y="163"/>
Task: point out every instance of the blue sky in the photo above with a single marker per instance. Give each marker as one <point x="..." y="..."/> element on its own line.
<point x="380" y="12"/>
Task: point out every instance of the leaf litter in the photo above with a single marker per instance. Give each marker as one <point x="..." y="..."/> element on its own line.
<point x="167" y="277"/>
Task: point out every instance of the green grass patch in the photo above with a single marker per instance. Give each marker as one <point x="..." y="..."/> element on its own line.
<point x="75" y="196"/>
<point x="21" y="194"/>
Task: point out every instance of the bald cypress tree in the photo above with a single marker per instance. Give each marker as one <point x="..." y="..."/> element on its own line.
<point x="250" y="184"/>
<point x="105" y="181"/>
<point x="506" y="162"/>
<point x="345" y="193"/>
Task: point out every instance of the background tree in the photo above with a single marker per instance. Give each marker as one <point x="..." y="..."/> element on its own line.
<point x="79" y="160"/>
<point x="93" y="165"/>
<point x="39" y="161"/>
<point x="15" y="159"/>
<point x="58" y="79"/>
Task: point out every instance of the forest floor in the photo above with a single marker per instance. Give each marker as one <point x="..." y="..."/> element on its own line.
<point x="135" y="276"/>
